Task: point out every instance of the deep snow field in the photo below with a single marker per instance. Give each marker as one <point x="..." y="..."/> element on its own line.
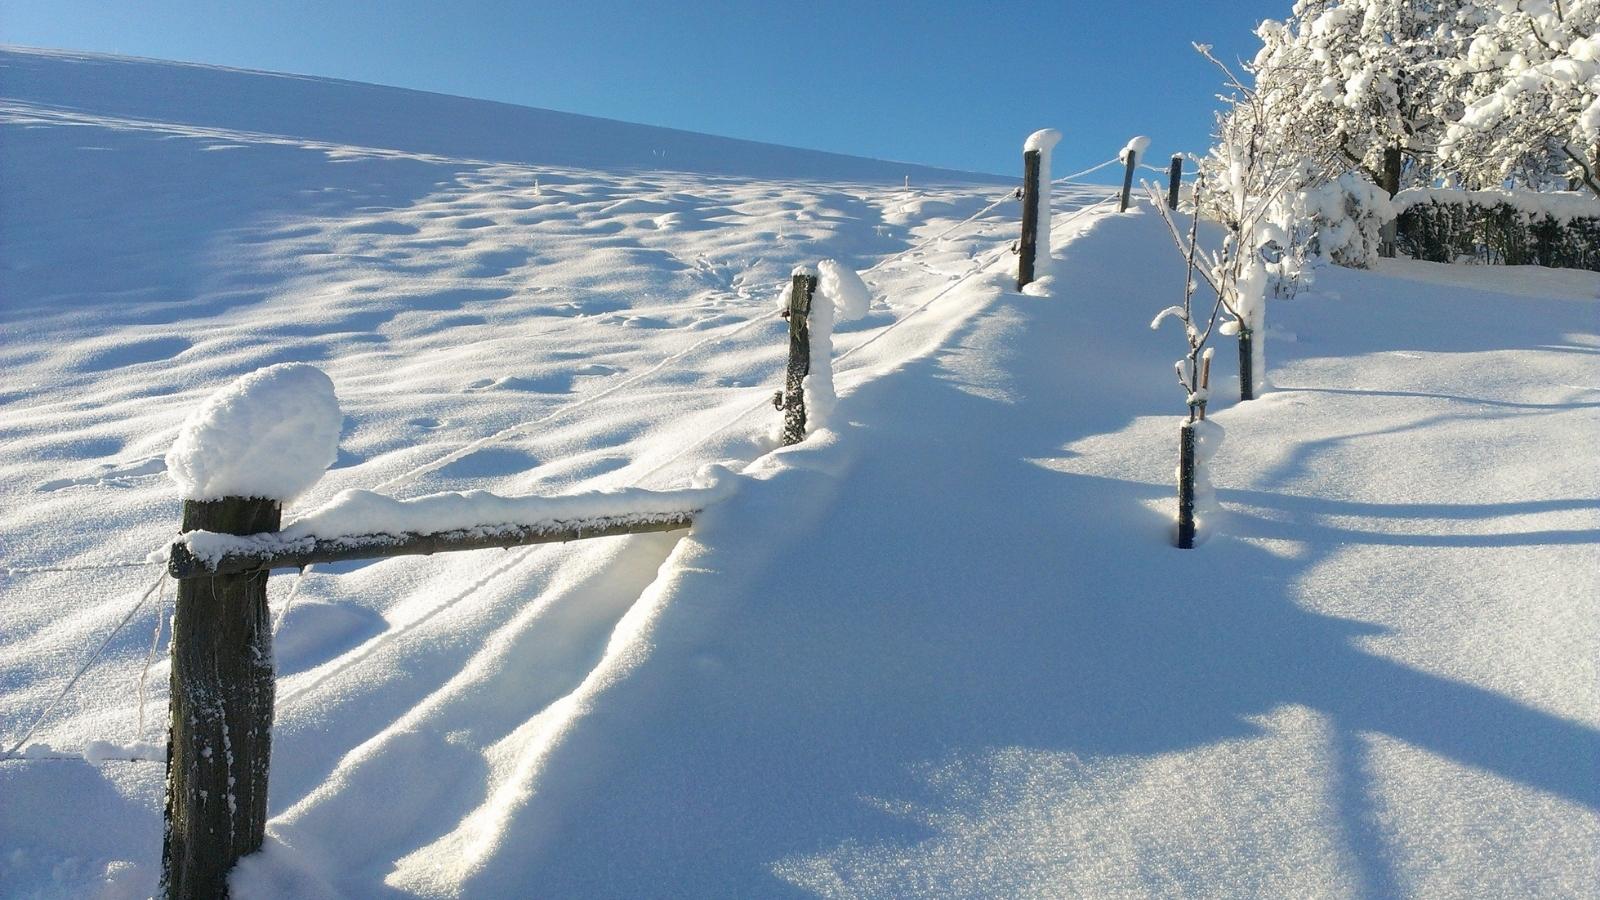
<point x="942" y="648"/>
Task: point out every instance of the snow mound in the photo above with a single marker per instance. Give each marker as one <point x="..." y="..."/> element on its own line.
<point x="270" y="434"/>
<point x="844" y="289"/>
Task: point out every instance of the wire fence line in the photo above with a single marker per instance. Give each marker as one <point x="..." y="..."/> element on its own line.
<point x="981" y="264"/>
<point x="1089" y="171"/>
<point x="83" y="567"/>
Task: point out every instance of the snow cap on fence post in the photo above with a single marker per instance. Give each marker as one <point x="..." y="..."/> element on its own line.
<point x="1130" y="155"/>
<point x="270" y="434"/>
<point x="1034" y="248"/>
<point x="841" y="297"/>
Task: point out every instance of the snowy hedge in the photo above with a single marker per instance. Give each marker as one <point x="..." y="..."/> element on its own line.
<point x="1511" y="228"/>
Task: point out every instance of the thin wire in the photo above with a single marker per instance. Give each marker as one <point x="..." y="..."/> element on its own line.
<point x="294" y="590"/>
<point x="83" y="567"/>
<point x="1089" y="171"/>
<point x="73" y="757"/>
<point x="155" y="641"/>
<point x="1013" y="194"/>
<point x="480" y="443"/>
<point x="85" y="667"/>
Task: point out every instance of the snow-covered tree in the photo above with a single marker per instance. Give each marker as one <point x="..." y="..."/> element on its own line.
<point x="1533" y="116"/>
<point x="1252" y="180"/>
<point x="1373" y="80"/>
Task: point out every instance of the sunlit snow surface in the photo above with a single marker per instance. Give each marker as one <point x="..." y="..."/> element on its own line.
<point x="942" y="648"/>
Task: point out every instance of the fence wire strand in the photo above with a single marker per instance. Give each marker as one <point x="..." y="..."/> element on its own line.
<point x="155" y="643"/>
<point x="82" y="567"/>
<point x="758" y="320"/>
<point x="93" y="658"/>
<point x="1089" y="171"/>
<point x="980" y="266"/>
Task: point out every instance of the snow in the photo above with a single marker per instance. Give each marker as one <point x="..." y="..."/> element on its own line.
<point x="1136" y="147"/>
<point x="97" y="752"/>
<point x="1562" y="206"/>
<point x="270" y="434"/>
<point x="1044" y="140"/>
<point x="942" y="647"/>
<point x="841" y="296"/>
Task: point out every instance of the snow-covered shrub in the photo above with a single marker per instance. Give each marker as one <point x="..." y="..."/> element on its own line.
<point x="1500" y="227"/>
<point x="1338" y="221"/>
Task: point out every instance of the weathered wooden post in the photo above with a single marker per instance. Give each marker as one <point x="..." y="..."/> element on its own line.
<point x="793" y="399"/>
<point x="1174" y="180"/>
<point x="1130" y="156"/>
<point x="1035" y="243"/>
<point x="220" y="740"/>
<point x="251" y="446"/>
<point x="1028" y="249"/>
<point x="1186" y="463"/>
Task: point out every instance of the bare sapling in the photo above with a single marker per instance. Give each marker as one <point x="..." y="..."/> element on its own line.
<point x="1194" y="369"/>
<point x="1250" y="189"/>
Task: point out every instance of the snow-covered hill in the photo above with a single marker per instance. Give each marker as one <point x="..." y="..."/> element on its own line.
<point x="941" y="649"/>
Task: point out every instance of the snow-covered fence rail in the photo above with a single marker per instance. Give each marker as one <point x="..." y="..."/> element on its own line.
<point x="248" y="449"/>
<point x="207" y="553"/>
<point x="1511" y="228"/>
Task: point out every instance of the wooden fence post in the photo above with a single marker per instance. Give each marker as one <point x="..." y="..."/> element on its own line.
<point x="1127" y="179"/>
<point x="1186" y="486"/>
<point x="1174" y="179"/>
<point x="1028" y="249"/>
<point x="1247" y="363"/>
<point x="220" y="740"/>
<point x="793" y="399"/>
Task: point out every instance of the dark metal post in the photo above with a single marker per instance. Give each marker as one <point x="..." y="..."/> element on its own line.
<point x="1174" y="179"/>
<point x="219" y="745"/>
<point x="1127" y="179"/>
<point x="1186" y="486"/>
<point x="1247" y="364"/>
<point x="793" y="400"/>
<point x="1028" y="248"/>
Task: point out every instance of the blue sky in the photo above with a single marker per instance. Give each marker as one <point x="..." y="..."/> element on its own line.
<point x="956" y="84"/>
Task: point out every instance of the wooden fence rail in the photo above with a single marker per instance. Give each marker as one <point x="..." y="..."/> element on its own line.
<point x="265" y="551"/>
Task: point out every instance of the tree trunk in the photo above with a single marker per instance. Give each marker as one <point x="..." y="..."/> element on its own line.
<point x="1391" y="185"/>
